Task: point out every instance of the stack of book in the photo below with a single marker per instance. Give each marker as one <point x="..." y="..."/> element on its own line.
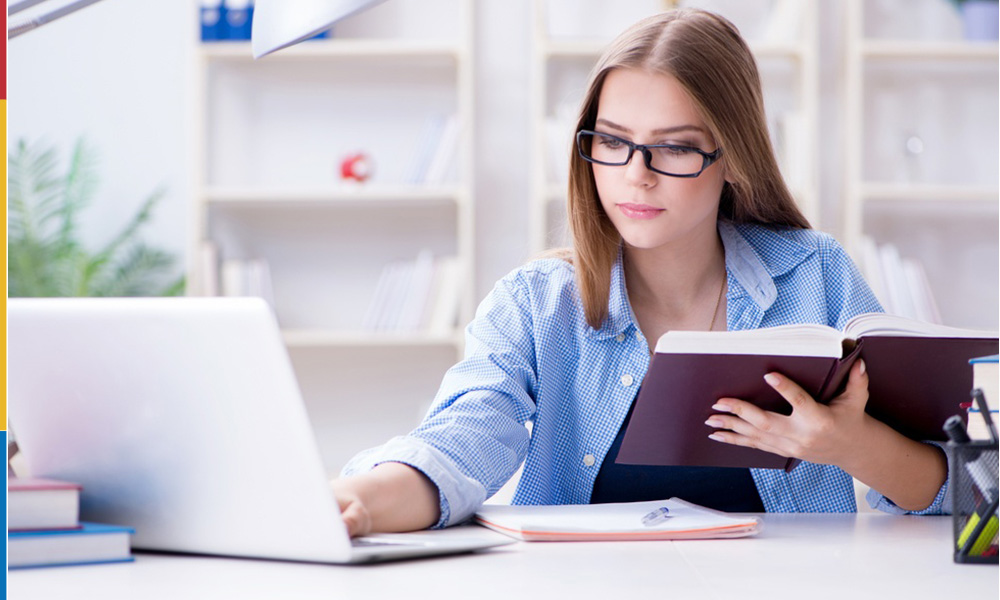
<point x="44" y="529"/>
<point x="986" y="378"/>
<point x="416" y="295"/>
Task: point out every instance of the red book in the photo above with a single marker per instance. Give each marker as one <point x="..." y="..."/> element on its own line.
<point x="36" y="504"/>
<point x="918" y="377"/>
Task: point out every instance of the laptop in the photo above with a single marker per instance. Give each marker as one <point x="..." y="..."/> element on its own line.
<point x="182" y="418"/>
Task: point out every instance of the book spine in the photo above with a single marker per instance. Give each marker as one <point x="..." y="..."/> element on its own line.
<point x="837" y="378"/>
<point x="212" y="17"/>
<point x="238" y="18"/>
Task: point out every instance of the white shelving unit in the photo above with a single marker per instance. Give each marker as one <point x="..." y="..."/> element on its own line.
<point x="561" y="63"/>
<point x="920" y="157"/>
<point x="272" y="134"/>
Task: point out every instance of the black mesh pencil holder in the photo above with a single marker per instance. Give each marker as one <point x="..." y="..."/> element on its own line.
<point x="974" y="492"/>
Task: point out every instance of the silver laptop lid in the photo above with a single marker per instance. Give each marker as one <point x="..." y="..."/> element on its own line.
<point x="180" y="417"/>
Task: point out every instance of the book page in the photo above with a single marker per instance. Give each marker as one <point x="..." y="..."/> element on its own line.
<point x="881" y="324"/>
<point x="805" y="339"/>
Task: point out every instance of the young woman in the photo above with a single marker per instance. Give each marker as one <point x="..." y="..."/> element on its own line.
<point x="680" y="220"/>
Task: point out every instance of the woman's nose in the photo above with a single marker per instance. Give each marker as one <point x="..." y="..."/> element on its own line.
<point x="636" y="172"/>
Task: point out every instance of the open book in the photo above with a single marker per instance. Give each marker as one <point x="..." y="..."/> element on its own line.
<point x="615" y="522"/>
<point x="918" y="376"/>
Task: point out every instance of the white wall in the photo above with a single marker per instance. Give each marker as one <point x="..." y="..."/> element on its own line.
<point x="118" y="73"/>
<point x="121" y="73"/>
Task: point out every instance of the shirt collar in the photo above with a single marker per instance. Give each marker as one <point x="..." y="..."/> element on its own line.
<point x="751" y="264"/>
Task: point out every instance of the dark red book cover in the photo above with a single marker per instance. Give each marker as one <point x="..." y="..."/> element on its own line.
<point x="915" y="384"/>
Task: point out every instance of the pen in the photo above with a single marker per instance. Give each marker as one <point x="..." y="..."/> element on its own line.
<point x="984" y="411"/>
<point x="658" y="515"/>
<point x="956" y="430"/>
<point x="979" y="532"/>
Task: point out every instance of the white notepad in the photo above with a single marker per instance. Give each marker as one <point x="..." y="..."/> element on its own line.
<point x="614" y="522"/>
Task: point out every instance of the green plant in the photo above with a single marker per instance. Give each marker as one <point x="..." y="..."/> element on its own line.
<point x="44" y="255"/>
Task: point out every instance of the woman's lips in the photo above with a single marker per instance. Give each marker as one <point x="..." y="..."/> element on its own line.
<point x="639" y="211"/>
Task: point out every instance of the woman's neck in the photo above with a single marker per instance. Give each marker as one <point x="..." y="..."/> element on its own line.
<point x="676" y="282"/>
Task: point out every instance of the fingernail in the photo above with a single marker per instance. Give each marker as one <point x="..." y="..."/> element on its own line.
<point x="711" y="422"/>
<point x="716" y="437"/>
<point x="719" y="408"/>
<point x="772" y="380"/>
<point x="861" y="369"/>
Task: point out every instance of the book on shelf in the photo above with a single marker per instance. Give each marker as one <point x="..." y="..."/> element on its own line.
<point x="427" y="143"/>
<point x="870" y="265"/>
<point x="625" y="521"/>
<point x="416" y="295"/>
<point x="238" y="16"/>
<point x="411" y="313"/>
<point x="918" y="377"/>
<point x="985" y="377"/>
<point x="900" y="284"/>
<point x="36" y="503"/>
<point x="249" y="277"/>
<point x="91" y="543"/>
<point x="441" y="314"/>
<point x="208" y="268"/>
<point x="213" y="22"/>
<point x="440" y="168"/>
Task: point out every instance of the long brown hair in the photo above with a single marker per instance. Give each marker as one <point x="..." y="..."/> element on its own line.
<point x="707" y="55"/>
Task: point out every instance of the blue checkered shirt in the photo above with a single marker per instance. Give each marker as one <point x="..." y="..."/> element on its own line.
<point x="530" y="356"/>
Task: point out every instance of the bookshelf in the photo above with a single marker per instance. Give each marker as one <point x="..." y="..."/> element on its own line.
<point x="270" y="138"/>
<point x="784" y="37"/>
<point x="920" y="149"/>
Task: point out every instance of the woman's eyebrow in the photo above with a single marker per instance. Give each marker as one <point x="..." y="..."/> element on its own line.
<point x="675" y="129"/>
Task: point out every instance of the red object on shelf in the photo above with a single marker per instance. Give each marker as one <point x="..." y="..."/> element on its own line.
<point x="356" y="167"/>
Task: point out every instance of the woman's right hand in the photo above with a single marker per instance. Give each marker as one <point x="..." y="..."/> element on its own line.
<point x="352" y="509"/>
<point x="392" y="497"/>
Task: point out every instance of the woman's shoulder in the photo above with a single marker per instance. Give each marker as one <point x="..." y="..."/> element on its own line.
<point x="544" y="288"/>
<point x="547" y="272"/>
<point x="759" y="234"/>
<point x="781" y="244"/>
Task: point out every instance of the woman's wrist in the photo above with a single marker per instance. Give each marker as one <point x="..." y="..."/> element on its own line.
<point x="907" y="472"/>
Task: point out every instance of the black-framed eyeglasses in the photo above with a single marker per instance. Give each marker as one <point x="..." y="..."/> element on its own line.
<point x="665" y="159"/>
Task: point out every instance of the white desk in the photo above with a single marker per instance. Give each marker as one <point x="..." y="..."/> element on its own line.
<point x="814" y="557"/>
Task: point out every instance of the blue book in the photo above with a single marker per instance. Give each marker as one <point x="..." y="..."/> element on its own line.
<point x="92" y="543"/>
<point x="986" y="377"/>
<point x="212" y="14"/>
<point x="238" y="15"/>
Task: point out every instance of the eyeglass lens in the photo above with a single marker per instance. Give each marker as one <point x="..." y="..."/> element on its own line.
<point x="675" y="160"/>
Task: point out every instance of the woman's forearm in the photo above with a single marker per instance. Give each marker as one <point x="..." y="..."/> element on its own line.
<point x="908" y="472"/>
<point x="391" y="497"/>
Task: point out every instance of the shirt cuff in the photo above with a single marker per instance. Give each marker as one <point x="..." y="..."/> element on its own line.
<point x="459" y="496"/>
<point x="941" y="505"/>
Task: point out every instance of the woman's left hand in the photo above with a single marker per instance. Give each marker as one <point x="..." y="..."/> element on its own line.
<point x="814" y="432"/>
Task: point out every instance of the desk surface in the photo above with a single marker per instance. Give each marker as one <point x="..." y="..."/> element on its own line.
<point x="840" y="557"/>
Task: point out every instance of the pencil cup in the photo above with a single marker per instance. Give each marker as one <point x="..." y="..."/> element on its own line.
<point x="974" y="493"/>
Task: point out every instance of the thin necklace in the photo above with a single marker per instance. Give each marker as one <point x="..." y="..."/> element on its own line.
<point x="715" y="313"/>
<point x="718" y="301"/>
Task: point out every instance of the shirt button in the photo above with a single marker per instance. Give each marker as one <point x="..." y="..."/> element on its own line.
<point x="638" y="335"/>
<point x="588" y="460"/>
<point x="626" y="380"/>
<point x="620" y="337"/>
